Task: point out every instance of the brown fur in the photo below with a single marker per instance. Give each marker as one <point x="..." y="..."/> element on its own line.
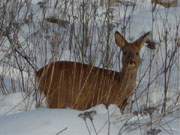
<point x="165" y="4"/>
<point x="81" y="86"/>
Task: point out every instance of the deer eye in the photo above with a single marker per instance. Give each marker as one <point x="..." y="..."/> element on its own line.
<point x="125" y="52"/>
<point x="137" y="53"/>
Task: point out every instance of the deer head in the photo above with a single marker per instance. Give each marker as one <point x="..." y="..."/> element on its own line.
<point x="131" y="51"/>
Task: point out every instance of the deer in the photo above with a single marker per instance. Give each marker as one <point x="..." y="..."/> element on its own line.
<point x="81" y="86"/>
<point x="166" y="4"/>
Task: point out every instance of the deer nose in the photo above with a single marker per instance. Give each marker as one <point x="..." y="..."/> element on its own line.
<point x="132" y="61"/>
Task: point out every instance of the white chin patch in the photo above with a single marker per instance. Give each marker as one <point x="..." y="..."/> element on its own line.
<point x="132" y="65"/>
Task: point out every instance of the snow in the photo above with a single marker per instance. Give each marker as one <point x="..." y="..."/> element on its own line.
<point x="12" y="72"/>
<point x="48" y="122"/>
<point x="44" y="121"/>
<point x="15" y="103"/>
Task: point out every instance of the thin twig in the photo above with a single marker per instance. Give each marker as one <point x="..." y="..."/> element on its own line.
<point x="61" y="131"/>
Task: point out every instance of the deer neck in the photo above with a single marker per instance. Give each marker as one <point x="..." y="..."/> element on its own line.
<point x="129" y="74"/>
<point x="128" y="79"/>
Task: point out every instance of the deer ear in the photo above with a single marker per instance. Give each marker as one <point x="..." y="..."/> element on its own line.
<point x="143" y="39"/>
<point x="120" y="40"/>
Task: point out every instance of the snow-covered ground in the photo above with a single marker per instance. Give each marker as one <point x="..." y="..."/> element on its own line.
<point x="48" y="122"/>
<point x="14" y="120"/>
